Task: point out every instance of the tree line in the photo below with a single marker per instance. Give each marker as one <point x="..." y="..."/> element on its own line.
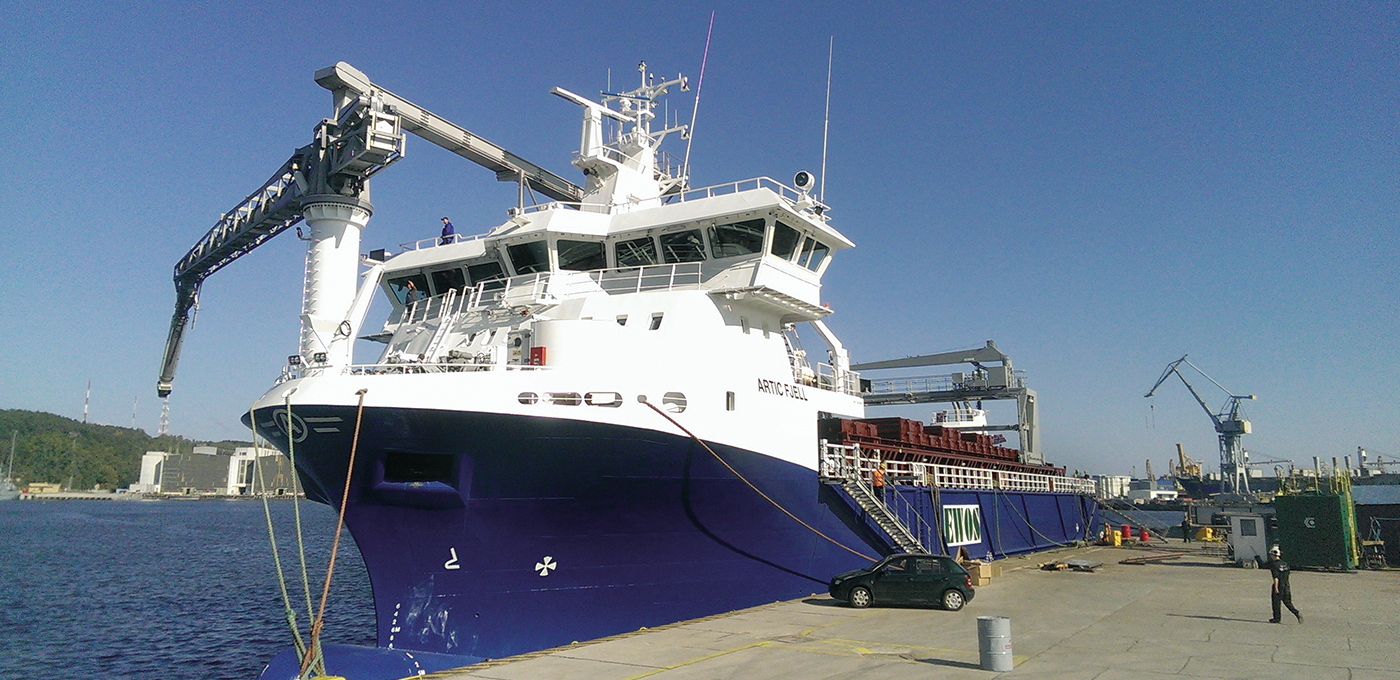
<point x="52" y="448"/>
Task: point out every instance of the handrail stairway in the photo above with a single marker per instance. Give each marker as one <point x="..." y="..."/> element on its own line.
<point x="848" y="478"/>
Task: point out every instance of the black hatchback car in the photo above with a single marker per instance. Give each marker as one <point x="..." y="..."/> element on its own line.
<point x="906" y="579"/>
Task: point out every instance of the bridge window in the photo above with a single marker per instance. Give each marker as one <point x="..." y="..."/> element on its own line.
<point x="409" y="289"/>
<point x="448" y="279"/>
<point x="529" y="258"/>
<point x="486" y="271"/>
<point x="581" y="256"/>
<point x="813" y="252"/>
<point x="638" y="252"/>
<point x="740" y="238"/>
<point x="683" y="246"/>
<point x="785" y="240"/>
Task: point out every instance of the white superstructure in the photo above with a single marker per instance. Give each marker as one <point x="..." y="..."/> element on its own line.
<point x="643" y="290"/>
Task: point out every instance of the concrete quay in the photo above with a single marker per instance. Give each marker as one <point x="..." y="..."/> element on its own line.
<point x="1194" y="617"/>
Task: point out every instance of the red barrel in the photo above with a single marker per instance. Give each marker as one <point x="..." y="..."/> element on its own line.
<point x="1144" y="535"/>
<point x="1127" y="532"/>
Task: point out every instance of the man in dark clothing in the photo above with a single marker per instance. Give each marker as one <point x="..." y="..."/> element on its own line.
<point x="1186" y="528"/>
<point x="447" y="232"/>
<point x="1281" y="592"/>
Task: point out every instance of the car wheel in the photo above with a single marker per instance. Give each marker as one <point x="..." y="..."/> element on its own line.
<point x="953" y="599"/>
<point x="860" y="597"/>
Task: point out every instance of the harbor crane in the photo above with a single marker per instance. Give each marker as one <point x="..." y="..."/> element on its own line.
<point x="1230" y="425"/>
<point x="326" y="183"/>
<point x="984" y="382"/>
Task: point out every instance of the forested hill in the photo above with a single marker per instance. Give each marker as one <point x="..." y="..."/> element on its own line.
<point x="52" y="448"/>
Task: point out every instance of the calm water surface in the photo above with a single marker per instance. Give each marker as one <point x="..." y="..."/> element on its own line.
<point x="160" y="589"/>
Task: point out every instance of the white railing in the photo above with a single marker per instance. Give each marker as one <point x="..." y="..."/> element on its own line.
<point x="450" y="366"/>
<point x="935" y="383"/>
<point x="436" y="241"/>
<point x="839" y="461"/>
<point x="548" y="287"/>
<point x="775" y="186"/>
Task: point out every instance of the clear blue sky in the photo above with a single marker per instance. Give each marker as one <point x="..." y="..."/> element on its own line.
<point x="1098" y="187"/>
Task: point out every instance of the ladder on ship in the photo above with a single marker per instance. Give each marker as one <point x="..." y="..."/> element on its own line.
<point x="848" y="479"/>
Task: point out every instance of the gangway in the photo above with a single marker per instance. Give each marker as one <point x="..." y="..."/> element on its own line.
<point x="848" y="473"/>
<point x="326" y="183"/>
<point x="984" y="382"/>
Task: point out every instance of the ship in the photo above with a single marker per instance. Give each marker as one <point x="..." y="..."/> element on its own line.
<point x="598" y="416"/>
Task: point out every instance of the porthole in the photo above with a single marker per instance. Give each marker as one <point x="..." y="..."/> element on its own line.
<point x="528" y="398"/>
<point x="565" y="398"/>
<point x="607" y="399"/>
<point x="673" y="402"/>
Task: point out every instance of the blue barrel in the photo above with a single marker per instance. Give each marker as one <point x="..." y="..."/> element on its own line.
<point x="994" y="643"/>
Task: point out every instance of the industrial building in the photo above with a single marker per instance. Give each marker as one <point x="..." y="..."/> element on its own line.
<point x="208" y="471"/>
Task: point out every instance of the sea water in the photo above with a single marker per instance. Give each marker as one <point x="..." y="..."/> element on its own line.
<point x="162" y="589"/>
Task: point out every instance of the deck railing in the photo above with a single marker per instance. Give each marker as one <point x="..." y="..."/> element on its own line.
<point x="549" y="287"/>
<point x="839" y="460"/>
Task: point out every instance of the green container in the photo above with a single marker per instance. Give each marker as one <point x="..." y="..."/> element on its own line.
<point x="1314" y="530"/>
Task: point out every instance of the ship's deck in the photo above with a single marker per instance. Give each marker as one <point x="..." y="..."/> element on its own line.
<point x="1193" y="617"/>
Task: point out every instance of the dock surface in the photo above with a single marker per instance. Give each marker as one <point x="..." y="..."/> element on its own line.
<point x="1192" y="617"/>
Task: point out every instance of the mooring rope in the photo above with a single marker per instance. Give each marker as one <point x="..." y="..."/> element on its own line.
<point x="1028" y="522"/>
<point x="315" y="651"/>
<point x="287" y="609"/>
<point x="296" y="512"/>
<point x="751" y="486"/>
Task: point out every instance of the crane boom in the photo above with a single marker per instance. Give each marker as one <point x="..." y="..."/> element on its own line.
<point x="1173" y="368"/>
<point x="365" y="137"/>
<point x="444" y="133"/>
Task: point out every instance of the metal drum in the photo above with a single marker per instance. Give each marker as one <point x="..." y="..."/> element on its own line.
<point x="994" y="643"/>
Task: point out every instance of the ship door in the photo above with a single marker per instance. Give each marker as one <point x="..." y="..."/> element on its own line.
<point x="519" y="346"/>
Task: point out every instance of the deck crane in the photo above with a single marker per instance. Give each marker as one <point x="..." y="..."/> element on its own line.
<point x="1230" y="425"/>
<point x="326" y="183"/>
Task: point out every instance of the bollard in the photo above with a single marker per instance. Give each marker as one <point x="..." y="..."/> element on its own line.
<point x="994" y="643"/>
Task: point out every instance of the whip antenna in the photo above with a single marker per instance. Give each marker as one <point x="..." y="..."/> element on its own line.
<point x="690" y="132"/>
<point x="826" y="125"/>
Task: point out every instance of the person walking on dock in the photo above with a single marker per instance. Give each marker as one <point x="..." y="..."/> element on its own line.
<point x="1281" y="592"/>
<point x="447" y="232"/>
<point x="1186" y="528"/>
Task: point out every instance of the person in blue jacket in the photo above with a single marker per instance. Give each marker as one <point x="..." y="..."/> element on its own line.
<point x="447" y="232"/>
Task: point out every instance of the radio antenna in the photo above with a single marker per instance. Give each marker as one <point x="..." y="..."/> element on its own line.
<point x="826" y="125"/>
<point x="690" y="131"/>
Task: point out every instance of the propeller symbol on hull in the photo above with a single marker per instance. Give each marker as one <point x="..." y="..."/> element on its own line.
<point x="546" y="565"/>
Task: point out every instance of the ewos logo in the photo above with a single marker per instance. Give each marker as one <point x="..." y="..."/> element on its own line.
<point x="962" y="525"/>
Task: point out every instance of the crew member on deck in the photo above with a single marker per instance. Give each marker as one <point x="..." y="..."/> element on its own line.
<point x="447" y="232"/>
<point x="877" y="480"/>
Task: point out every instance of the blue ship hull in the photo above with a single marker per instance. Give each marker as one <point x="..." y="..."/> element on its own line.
<point x="490" y="535"/>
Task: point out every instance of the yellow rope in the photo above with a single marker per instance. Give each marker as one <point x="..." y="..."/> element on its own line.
<point x="287" y="608"/>
<point x="315" y="652"/>
<point x="751" y="486"/>
<point x="296" y="509"/>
